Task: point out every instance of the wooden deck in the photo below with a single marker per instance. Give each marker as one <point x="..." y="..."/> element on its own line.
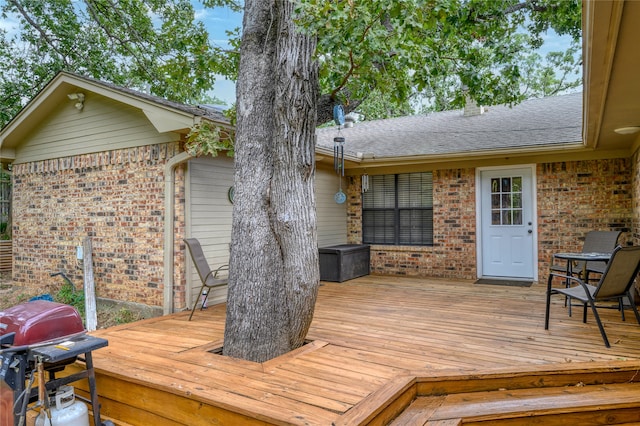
<point x="377" y="344"/>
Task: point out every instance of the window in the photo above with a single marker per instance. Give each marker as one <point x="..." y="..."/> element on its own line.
<point x="398" y="210"/>
<point x="506" y="200"/>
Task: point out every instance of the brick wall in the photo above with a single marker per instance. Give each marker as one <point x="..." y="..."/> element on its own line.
<point x="573" y="198"/>
<point x="634" y="234"/>
<point x="453" y="254"/>
<point x="117" y="199"/>
<point x="580" y="196"/>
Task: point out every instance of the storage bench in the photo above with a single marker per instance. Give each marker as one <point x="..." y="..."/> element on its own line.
<point x="344" y="262"/>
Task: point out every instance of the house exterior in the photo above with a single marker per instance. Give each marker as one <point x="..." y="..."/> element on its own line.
<point x="582" y="163"/>
<point x="445" y="195"/>
<point x="507" y="187"/>
<point x="114" y="169"/>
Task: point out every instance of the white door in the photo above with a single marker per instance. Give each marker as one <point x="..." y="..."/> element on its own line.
<point x="507" y="223"/>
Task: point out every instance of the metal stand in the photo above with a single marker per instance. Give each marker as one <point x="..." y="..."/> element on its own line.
<point x="55" y="356"/>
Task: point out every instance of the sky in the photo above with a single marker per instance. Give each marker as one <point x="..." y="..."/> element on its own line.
<point x="217" y="21"/>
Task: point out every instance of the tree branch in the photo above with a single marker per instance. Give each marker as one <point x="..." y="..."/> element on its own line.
<point x="353" y="66"/>
<point x="36" y="26"/>
<point x="96" y="14"/>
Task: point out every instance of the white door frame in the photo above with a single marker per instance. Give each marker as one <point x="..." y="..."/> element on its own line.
<point x="534" y="206"/>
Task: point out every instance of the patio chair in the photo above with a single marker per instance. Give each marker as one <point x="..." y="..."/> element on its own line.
<point x="210" y="278"/>
<point x="594" y="242"/>
<point x="615" y="285"/>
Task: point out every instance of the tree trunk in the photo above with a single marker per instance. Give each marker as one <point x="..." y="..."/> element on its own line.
<point x="274" y="273"/>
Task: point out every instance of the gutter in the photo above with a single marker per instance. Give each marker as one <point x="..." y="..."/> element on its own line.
<point x="573" y="152"/>
<point x="572" y="147"/>
<point x="169" y="208"/>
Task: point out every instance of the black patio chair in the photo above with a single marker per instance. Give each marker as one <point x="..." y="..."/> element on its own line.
<point x="594" y="242"/>
<point x="615" y="285"/>
<point x="210" y="278"/>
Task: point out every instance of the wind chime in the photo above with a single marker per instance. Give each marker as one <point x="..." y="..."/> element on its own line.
<point x="365" y="182"/>
<point x="338" y="153"/>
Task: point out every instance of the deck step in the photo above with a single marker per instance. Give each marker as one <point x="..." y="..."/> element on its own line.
<point x="585" y="405"/>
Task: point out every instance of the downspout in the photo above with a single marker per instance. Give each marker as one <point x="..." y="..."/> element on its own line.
<point x="169" y="214"/>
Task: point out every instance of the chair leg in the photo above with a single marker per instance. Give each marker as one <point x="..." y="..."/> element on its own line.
<point x="584" y="313"/>
<point x="633" y="305"/>
<point x="597" y="317"/>
<point x="568" y="303"/>
<point x="196" y="303"/>
<point x="546" y="314"/>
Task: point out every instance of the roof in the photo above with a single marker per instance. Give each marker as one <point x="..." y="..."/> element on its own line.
<point x="533" y="123"/>
<point x="164" y="115"/>
<point x="205" y="111"/>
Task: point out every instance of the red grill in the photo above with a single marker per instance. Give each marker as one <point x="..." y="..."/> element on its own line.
<point x="47" y="334"/>
<point x="40" y="321"/>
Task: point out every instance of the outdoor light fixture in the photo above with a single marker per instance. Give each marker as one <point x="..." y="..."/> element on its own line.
<point x="627" y="130"/>
<point x="77" y="97"/>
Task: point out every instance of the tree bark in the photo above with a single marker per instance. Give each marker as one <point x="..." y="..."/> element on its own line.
<point x="274" y="273"/>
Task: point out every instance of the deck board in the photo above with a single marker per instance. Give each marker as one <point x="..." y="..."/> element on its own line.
<point x="369" y="335"/>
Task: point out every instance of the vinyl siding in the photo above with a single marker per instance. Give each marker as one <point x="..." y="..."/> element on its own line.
<point x="209" y="215"/>
<point x="103" y="123"/>
<point x="331" y="216"/>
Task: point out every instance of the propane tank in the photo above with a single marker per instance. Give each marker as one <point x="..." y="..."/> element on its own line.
<point x="204" y="298"/>
<point x="66" y="412"/>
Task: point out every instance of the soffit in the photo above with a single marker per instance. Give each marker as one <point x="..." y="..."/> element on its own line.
<point x="611" y="69"/>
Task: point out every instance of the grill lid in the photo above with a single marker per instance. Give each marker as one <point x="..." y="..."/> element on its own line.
<point x="40" y="321"/>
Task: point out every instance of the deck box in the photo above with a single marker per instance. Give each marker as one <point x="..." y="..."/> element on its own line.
<point x="344" y="262"/>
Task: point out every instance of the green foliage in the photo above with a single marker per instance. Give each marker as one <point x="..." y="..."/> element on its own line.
<point x="378" y="104"/>
<point x="437" y="51"/>
<point x="444" y="49"/>
<point x="137" y="44"/>
<point x="5" y="231"/>
<point x="205" y="138"/>
<point x="70" y="296"/>
<point x="125" y="316"/>
<point x="558" y="73"/>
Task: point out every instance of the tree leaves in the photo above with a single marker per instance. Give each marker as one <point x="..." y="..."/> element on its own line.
<point x="407" y="47"/>
<point x="437" y="50"/>
<point x="208" y="139"/>
<point x="154" y="45"/>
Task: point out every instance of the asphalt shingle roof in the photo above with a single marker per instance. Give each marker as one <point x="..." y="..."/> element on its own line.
<point x="535" y="122"/>
<point x="204" y="111"/>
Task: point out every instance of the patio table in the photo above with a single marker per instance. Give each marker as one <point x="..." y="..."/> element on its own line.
<point x="581" y="257"/>
<point x="577" y="257"/>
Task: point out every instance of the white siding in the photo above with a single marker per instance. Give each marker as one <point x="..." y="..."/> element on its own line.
<point x="331" y="216"/>
<point x="209" y="216"/>
<point x="103" y="124"/>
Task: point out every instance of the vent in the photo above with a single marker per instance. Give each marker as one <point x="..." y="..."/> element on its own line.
<point x="471" y="108"/>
